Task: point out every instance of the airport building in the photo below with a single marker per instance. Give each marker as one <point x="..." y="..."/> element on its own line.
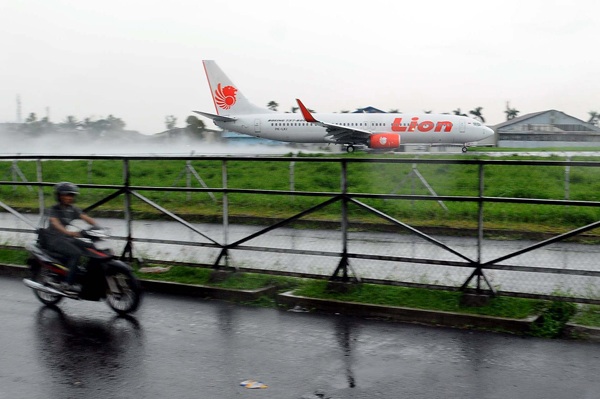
<point x="550" y="128"/>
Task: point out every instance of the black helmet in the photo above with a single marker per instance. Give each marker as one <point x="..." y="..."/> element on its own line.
<point x="65" y="188"/>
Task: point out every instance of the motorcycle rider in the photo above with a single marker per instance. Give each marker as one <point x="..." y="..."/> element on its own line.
<point x="61" y="240"/>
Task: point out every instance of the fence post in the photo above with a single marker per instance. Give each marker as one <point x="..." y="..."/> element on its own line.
<point x="567" y="179"/>
<point x="480" y="217"/>
<point x="224" y="250"/>
<point x="188" y="178"/>
<point x="40" y="179"/>
<point x="343" y="265"/>
<point x="479" y="298"/>
<point x="89" y="170"/>
<point x="128" y="250"/>
<point x="293" y="176"/>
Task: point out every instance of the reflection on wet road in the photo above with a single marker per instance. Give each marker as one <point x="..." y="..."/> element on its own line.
<point x="190" y="348"/>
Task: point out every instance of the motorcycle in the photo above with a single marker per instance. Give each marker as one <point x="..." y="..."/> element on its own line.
<point x="101" y="276"/>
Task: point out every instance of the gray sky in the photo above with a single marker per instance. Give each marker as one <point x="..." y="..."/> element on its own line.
<point x="141" y="61"/>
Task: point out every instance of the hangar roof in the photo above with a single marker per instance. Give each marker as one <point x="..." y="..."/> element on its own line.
<point x="556" y="119"/>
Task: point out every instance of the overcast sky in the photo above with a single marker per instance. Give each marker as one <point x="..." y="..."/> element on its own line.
<point x="141" y="61"/>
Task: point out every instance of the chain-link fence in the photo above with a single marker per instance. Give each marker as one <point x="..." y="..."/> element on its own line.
<point x="520" y="228"/>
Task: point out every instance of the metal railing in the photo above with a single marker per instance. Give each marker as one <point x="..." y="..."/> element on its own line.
<point x="474" y="265"/>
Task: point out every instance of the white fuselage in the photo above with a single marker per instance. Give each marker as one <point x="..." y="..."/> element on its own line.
<point x="412" y="128"/>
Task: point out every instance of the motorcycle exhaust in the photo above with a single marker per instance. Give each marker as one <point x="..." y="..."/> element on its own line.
<point x="37" y="286"/>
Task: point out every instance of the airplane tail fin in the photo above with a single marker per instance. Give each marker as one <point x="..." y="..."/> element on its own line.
<point x="228" y="99"/>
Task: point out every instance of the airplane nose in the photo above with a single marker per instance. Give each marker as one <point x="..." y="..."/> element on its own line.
<point x="487" y="132"/>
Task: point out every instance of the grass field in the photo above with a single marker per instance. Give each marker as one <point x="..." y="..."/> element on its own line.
<point x="577" y="183"/>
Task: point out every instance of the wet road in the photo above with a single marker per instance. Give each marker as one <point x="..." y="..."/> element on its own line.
<point x="177" y="347"/>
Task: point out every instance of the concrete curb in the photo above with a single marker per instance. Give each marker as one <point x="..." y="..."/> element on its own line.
<point x="202" y="291"/>
<point x="411" y="315"/>
<point x="584" y="333"/>
<point x="14" y="270"/>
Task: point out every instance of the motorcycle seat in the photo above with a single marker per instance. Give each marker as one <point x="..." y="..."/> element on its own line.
<point x="46" y="255"/>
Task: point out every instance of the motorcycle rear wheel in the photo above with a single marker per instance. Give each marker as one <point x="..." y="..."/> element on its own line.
<point x="126" y="298"/>
<point x="46" y="298"/>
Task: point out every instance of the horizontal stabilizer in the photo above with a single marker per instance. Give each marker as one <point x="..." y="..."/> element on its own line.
<point x="217" y="118"/>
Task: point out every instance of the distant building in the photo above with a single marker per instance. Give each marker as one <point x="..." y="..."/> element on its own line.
<point x="368" y="110"/>
<point x="550" y="128"/>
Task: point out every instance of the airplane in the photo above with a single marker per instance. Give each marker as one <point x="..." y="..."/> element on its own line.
<point x="234" y="112"/>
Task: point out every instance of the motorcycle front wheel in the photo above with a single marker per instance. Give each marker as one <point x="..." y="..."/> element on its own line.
<point x="124" y="293"/>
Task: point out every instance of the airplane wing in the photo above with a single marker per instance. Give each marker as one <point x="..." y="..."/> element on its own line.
<point x="214" y="117"/>
<point x="336" y="133"/>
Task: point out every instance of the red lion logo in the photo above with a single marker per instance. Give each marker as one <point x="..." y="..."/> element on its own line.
<point x="225" y="96"/>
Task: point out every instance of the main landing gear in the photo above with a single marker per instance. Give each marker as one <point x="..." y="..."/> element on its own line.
<point x="350" y="149"/>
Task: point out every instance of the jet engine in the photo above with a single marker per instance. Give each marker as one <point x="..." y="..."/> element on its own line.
<point x="384" y="140"/>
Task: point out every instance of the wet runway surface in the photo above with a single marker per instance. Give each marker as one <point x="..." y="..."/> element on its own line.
<point x="176" y="347"/>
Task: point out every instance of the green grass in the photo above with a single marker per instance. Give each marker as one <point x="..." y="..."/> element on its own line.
<point x="588" y="315"/>
<point x="505" y="181"/>
<point x="13" y="256"/>
<point x="447" y="301"/>
<point x="238" y="281"/>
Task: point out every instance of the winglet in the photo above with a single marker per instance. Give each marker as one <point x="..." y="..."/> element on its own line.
<point x="306" y="113"/>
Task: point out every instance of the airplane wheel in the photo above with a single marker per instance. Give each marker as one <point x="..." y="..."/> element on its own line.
<point x="464" y="149"/>
<point x="350" y="149"/>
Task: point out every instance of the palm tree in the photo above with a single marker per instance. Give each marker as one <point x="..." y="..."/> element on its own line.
<point x="272" y="105"/>
<point x="170" y="122"/>
<point x="457" y="111"/>
<point x="511" y="113"/>
<point x="594" y="117"/>
<point x="70" y="122"/>
<point x="477" y="114"/>
<point x="31" y="118"/>
<point x="295" y="109"/>
<point x="195" y="126"/>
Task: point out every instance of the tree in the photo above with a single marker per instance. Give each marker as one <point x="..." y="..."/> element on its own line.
<point x="170" y="122"/>
<point x="477" y="114"/>
<point x="110" y="123"/>
<point x="457" y="111"/>
<point x="394" y="111"/>
<point x="195" y="126"/>
<point x="31" y="118"/>
<point x="272" y="105"/>
<point x="594" y="118"/>
<point x="295" y="109"/>
<point x="511" y="113"/>
<point x="70" y="122"/>
<point x="115" y="123"/>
